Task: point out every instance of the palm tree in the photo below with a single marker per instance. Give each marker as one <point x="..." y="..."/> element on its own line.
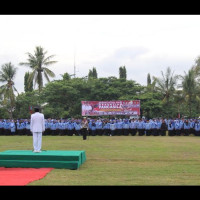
<point x="166" y="85"/>
<point x="190" y="88"/>
<point x="39" y="63"/>
<point x="7" y="75"/>
<point x="151" y="86"/>
<point x="196" y="67"/>
<point x="179" y="100"/>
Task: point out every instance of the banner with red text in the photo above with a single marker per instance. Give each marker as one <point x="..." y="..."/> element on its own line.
<point x="119" y="107"/>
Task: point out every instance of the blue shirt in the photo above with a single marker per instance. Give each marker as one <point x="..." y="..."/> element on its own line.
<point x="70" y="126"/>
<point x="99" y="125"/>
<point x="186" y="125"/>
<point x="27" y="125"/>
<point x="77" y="126"/>
<point x="140" y="125"/>
<point x="125" y="125"/>
<point x="53" y="126"/>
<point x="1" y="124"/>
<point x="113" y="126"/>
<point x="148" y="125"/>
<point x="119" y="125"/>
<point x="170" y="126"/>
<point x="107" y="125"/>
<point x="197" y="126"/>
<point x="133" y="125"/>
<point x="93" y="126"/>
<point x="12" y="127"/>
<point x="177" y="125"/>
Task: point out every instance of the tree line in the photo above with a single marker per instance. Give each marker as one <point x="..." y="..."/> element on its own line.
<point x="169" y="95"/>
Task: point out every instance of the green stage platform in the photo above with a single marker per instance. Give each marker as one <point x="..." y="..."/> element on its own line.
<point x="44" y="159"/>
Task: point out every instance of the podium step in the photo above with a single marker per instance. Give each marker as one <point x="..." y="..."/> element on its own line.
<point x="45" y="159"/>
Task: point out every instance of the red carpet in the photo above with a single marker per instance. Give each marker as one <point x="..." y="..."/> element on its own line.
<point x="21" y="176"/>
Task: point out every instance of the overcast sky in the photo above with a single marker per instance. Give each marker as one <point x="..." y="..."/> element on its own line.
<point x="143" y="43"/>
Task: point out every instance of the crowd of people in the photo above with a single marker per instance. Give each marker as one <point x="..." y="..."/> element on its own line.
<point x="109" y="127"/>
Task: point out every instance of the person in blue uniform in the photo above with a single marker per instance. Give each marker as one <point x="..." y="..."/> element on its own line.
<point x="177" y="127"/>
<point x="141" y="127"/>
<point x="148" y="128"/>
<point x="46" y="127"/>
<point x="70" y="128"/>
<point x="197" y="128"/>
<point x="106" y="127"/>
<point x="191" y="131"/>
<point x="182" y="126"/>
<point x="77" y="127"/>
<point x="113" y="127"/>
<point x="93" y="127"/>
<point x="27" y="127"/>
<point x="119" y="130"/>
<point x="7" y="127"/>
<point x="99" y="127"/>
<point x="186" y="127"/>
<point x="133" y="127"/>
<point x="171" y="128"/>
<point x="153" y="127"/>
<point x="158" y="126"/>
<point x="23" y="125"/>
<point x="19" y="128"/>
<point x="60" y="127"/>
<point x="12" y="127"/>
<point x="1" y="127"/>
<point x="53" y="127"/>
<point x="126" y="127"/>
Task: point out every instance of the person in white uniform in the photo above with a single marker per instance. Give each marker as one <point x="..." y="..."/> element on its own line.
<point x="37" y="127"/>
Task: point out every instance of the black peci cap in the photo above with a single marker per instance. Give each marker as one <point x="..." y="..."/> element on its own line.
<point x="36" y="108"/>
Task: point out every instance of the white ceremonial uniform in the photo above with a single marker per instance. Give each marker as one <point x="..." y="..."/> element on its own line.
<point x="37" y="126"/>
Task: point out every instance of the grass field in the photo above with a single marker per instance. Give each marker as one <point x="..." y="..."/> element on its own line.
<point x="121" y="160"/>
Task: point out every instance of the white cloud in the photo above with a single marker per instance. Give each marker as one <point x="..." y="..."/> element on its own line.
<point x="143" y="43"/>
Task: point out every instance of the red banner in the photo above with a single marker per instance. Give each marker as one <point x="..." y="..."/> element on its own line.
<point x="123" y="107"/>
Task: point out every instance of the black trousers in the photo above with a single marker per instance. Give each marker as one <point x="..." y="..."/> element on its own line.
<point x="113" y="132"/>
<point x="126" y="132"/>
<point x="84" y="133"/>
<point x="106" y="132"/>
<point x="186" y="132"/>
<point x="77" y="132"/>
<point x="171" y="133"/>
<point x="119" y="132"/>
<point x="177" y="132"/>
<point x="141" y="132"/>
<point x="70" y="132"/>
<point x="163" y="132"/>
<point x="148" y="132"/>
<point x="155" y="132"/>
<point x="197" y="133"/>
<point x="99" y="132"/>
<point x="133" y="131"/>
<point x="93" y="133"/>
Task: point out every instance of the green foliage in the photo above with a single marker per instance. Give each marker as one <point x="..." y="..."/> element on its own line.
<point x="62" y="98"/>
<point x="122" y="72"/>
<point x="39" y="64"/>
<point x="28" y="86"/>
<point x="190" y="89"/>
<point x="7" y="75"/>
<point x="23" y="102"/>
<point x="66" y="76"/>
<point x="92" y="73"/>
<point x="151" y="104"/>
<point x="148" y="79"/>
